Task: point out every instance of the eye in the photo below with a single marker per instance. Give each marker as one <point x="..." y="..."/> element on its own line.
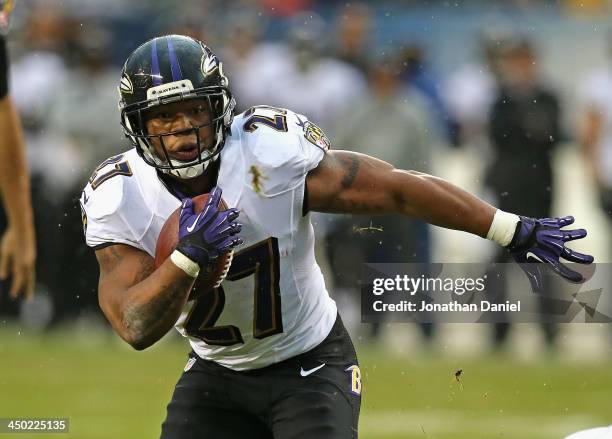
<point x="198" y="110"/>
<point x="162" y="116"/>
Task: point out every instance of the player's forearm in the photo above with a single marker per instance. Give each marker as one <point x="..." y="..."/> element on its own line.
<point x="14" y="178"/>
<point x="155" y="304"/>
<point x="349" y="182"/>
<point x="439" y="202"/>
<point x="141" y="303"/>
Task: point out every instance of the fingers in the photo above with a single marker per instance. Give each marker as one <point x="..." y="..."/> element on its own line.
<point x="226" y="216"/>
<point x="214" y="196"/>
<point x="24" y="275"/>
<point x="19" y="264"/>
<point x="230" y="243"/>
<point x="233" y="229"/>
<point x="212" y="203"/>
<point x="187" y="206"/>
<point x="5" y="256"/>
<point x="228" y="229"/>
<point x="19" y="281"/>
<point x="550" y="222"/>
<point x="220" y="221"/>
<point x="232" y="214"/>
<point x="571" y="235"/>
<point x="563" y="270"/>
<point x="565" y="221"/>
<point x="557" y="222"/>
<point x="30" y="284"/>
<point x="574" y="256"/>
<point x="4" y="264"/>
<point x="236" y="228"/>
<point x="227" y="232"/>
<point x="534" y="274"/>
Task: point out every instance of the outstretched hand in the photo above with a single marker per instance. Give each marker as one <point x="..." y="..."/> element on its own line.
<point x="543" y="241"/>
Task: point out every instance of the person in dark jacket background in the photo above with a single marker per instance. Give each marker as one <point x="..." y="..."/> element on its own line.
<point x="524" y="129"/>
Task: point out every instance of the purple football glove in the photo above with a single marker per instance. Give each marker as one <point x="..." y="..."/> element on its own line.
<point x="542" y="240"/>
<point x="205" y="235"/>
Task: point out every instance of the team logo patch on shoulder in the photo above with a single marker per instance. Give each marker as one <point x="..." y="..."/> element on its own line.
<point x="316" y="136"/>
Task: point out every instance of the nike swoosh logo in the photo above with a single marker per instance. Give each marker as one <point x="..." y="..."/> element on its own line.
<point x="195" y="221"/>
<point x="305" y="373"/>
<point x="530" y="254"/>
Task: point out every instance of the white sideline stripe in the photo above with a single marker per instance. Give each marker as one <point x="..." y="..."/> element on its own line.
<point x="375" y="424"/>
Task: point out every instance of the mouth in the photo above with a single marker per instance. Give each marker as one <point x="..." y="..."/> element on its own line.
<point x="185" y="153"/>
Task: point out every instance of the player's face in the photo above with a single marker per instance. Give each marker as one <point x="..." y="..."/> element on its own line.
<point x="177" y="117"/>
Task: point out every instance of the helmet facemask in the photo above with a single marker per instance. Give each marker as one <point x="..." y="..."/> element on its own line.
<point x="220" y="105"/>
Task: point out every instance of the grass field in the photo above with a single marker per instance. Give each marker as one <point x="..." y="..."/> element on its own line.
<point x="110" y="391"/>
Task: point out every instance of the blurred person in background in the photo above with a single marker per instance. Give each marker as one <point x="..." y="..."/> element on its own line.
<point x="392" y="122"/>
<point x="524" y="129"/>
<point x="595" y="129"/>
<point x="306" y="80"/>
<point x="470" y="90"/>
<point x="416" y="72"/>
<point x="39" y="77"/>
<point x="83" y="123"/>
<point x="353" y="30"/>
<point x="244" y="52"/>
<point x="17" y="239"/>
<point x="200" y="19"/>
<point x="91" y="74"/>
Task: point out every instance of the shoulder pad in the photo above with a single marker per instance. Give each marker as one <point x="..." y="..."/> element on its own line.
<point x="112" y="204"/>
<point x="279" y="147"/>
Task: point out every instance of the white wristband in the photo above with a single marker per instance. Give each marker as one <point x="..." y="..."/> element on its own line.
<point x="503" y="227"/>
<point x="185" y="264"/>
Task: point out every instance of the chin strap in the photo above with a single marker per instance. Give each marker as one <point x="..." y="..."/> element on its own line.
<point x="192" y="171"/>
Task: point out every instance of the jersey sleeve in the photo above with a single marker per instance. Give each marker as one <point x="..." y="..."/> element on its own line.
<point x="110" y="212"/>
<point x="280" y="156"/>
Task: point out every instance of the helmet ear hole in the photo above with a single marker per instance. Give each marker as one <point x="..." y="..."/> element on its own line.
<point x="217" y="106"/>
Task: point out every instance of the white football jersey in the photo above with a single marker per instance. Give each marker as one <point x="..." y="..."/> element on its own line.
<point x="593" y="433"/>
<point x="273" y="304"/>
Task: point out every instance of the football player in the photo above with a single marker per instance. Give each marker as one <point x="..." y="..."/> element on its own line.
<point x="592" y="433"/>
<point x="270" y="357"/>
<point x="17" y="243"/>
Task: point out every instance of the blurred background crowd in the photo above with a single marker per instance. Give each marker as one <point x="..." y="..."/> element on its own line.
<point x="510" y="99"/>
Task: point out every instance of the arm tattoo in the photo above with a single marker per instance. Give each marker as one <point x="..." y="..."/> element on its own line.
<point x="110" y="259"/>
<point x="140" y="319"/>
<point x="351" y="165"/>
<point x="147" y="267"/>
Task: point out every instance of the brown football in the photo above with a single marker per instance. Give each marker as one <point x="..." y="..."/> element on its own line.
<point x="168" y="239"/>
